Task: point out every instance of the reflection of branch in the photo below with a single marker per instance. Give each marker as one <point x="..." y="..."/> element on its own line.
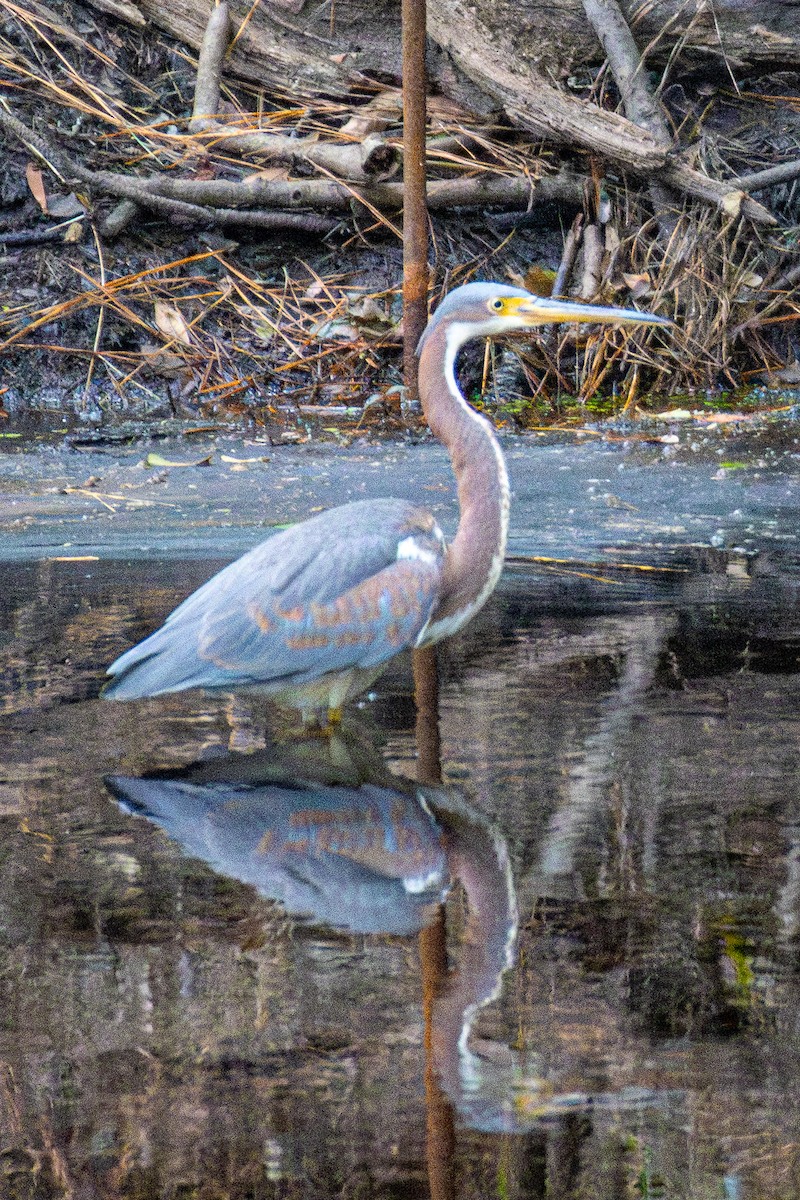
<point x="440" y="1123"/>
<point x="426" y="698"/>
<point x="588" y="783"/>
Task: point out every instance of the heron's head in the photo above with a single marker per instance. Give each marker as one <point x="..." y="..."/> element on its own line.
<point x="488" y="309"/>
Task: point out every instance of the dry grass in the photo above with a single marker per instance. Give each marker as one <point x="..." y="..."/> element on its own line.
<point x="212" y="326"/>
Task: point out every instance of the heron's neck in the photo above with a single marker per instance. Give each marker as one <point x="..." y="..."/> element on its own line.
<point x="475" y="556"/>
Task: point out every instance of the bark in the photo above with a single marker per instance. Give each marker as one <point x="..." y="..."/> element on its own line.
<point x="508" y="53"/>
<point x="305" y="49"/>
<point x="480" y="191"/>
<point x="357" y="160"/>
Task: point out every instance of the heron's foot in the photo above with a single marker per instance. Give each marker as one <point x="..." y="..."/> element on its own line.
<point x="325" y="725"/>
<point x="316" y="723"/>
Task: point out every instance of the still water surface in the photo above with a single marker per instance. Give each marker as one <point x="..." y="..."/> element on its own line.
<point x="254" y="990"/>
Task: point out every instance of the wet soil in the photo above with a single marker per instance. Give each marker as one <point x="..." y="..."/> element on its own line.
<point x="216" y="494"/>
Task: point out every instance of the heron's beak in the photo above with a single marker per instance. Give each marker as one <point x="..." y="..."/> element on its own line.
<point x="541" y="310"/>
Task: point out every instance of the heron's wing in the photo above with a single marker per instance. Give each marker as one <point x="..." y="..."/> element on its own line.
<point x="320" y="558"/>
<point x="326" y="595"/>
<point x="266" y="640"/>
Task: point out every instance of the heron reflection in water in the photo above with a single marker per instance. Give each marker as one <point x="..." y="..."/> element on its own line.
<point x="312" y="615"/>
<point x="354" y="847"/>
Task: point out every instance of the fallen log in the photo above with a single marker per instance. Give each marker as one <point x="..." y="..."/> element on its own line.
<point x="358" y="49"/>
<point x="354" y="159"/>
<point x="479" y="191"/>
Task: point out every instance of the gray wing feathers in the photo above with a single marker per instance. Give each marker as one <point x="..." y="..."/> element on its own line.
<point x="325" y="595"/>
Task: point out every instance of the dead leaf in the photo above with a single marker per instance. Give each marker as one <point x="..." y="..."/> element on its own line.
<point x="674" y="414"/>
<point x="36" y="184"/>
<point x="364" y="317"/>
<point x="169" y="321"/>
<point x="165" y="364"/>
<point x="65" y="207"/>
<point x="362" y="127"/>
<point x="339" y="328"/>
<point x="613" y="240"/>
<point x="638" y="285"/>
<point x="723" y="418"/>
<point x="158" y="460"/>
<point x="375" y="116"/>
<point x="539" y="280"/>
<point x="229" y="458"/>
<point x="270" y="173"/>
<point x="789" y="374"/>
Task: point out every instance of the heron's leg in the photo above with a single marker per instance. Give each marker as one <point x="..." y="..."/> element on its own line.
<point x="314" y="723"/>
<point x="244" y="736"/>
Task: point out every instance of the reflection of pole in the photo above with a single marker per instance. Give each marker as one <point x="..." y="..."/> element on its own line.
<point x="415" y="208"/>
<point x="440" y="1124"/>
<point x="426" y="698"/>
<point x="433" y="939"/>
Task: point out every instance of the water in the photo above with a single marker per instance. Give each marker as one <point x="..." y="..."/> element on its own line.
<point x="620" y="808"/>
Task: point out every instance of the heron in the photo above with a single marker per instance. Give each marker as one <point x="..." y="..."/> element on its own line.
<point x="312" y="615"/>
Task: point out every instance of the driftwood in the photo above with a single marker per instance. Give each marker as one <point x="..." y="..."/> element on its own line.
<point x="479" y="191"/>
<point x="358" y="44"/>
<point x="355" y="160"/>
<point x="627" y="67"/>
<point x="268" y="204"/>
<point x="482" y="51"/>
<point x="568" y="256"/>
<point x="639" y="105"/>
<point x="533" y="103"/>
<point x="137" y="192"/>
<point x="496" y="56"/>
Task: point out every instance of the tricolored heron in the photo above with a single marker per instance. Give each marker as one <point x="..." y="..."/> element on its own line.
<point x="312" y="615"/>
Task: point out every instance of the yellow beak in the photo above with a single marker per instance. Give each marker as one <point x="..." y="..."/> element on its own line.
<point x="541" y="310"/>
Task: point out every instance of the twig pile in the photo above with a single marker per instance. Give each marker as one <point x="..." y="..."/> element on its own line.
<point x="226" y="337"/>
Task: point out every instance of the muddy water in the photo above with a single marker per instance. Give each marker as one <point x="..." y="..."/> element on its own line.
<point x="251" y="966"/>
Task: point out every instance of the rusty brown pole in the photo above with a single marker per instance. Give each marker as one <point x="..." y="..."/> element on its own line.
<point x="415" y="208"/>
<point x="433" y="941"/>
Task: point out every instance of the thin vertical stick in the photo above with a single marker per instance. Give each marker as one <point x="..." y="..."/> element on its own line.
<point x="415" y="208"/>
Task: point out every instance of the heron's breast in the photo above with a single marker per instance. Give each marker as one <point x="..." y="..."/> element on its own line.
<point x="452" y="616"/>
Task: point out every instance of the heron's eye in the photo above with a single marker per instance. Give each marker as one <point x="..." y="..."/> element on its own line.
<point x="497" y="304"/>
